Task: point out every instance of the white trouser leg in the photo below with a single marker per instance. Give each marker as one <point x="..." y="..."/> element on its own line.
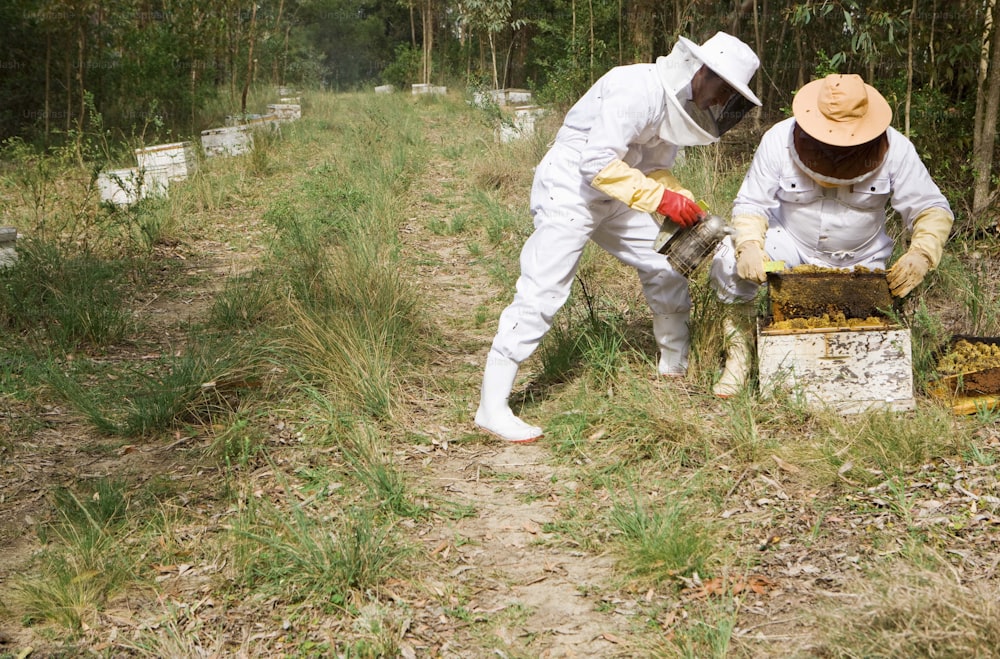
<point x="494" y="414"/>
<point x="673" y="338"/>
<point x="739" y="352"/>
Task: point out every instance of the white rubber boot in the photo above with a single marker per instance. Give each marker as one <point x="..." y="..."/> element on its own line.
<point x="736" y="372"/>
<point x="673" y="336"/>
<point x="494" y="414"/>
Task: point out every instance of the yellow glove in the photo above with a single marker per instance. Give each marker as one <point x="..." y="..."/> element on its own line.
<point x="658" y="192"/>
<point x="629" y="186"/>
<point x="748" y="239"/>
<point x="749" y="228"/>
<point x="670" y="182"/>
<point x="907" y="272"/>
<point x="750" y="258"/>
<point x="930" y="231"/>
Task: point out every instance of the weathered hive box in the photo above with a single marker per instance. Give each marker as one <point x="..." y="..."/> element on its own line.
<point x="255" y="121"/>
<point x="502" y="97"/>
<point x="522" y="124"/>
<point x="828" y="338"/>
<point x="285" y="111"/>
<point x="8" y="246"/>
<point x="177" y="161"/>
<point x="423" y="88"/>
<point x="384" y="89"/>
<point x="124" y="187"/>
<point x="226" y="141"/>
<point x="846" y="369"/>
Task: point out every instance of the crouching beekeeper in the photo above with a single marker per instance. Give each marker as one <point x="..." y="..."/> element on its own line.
<point x="606" y="179"/>
<point x="816" y="194"/>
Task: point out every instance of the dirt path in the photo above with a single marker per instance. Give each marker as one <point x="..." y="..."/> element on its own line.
<point x="532" y="592"/>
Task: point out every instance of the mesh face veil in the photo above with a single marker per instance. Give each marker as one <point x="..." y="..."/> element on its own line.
<point x="717" y="119"/>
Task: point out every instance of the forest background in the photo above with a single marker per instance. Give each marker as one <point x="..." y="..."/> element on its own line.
<point x="149" y="70"/>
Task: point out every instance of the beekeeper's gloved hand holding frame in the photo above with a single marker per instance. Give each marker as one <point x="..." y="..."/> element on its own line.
<point x="930" y="231"/>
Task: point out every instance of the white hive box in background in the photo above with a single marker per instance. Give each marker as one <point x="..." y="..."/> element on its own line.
<point x="523" y="123"/>
<point x="177" y="160"/>
<point x="124" y="187"/>
<point x="517" y="96"/>
<point x="384" y="89"/>
<point x="226" y="141"/>
<point x="269" y="120"/>
<point x="501" y="97"/>
<point x="847" y="370"/>
<point x="8" y="246"/>
<point x="421" y="88"/>
<point x="285" y="111"/>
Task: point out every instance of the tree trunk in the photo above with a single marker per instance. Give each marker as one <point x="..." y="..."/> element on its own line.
<point x="640" y="18"/>
<point x="620" y="52"/>
<point x="48" y="83"/>
<point x="427" y="19"/>
<point x="984" y="65"/>
<point x="69" y="91"/>
<point x="982" y="163"/>
<point x="759" y="41"/>
<point x="493" y="58"/>
<point x="572" y="32"/>
<point x="250" y="40"/>
<point x="801" y="80"/>
<point x="591" y="7"/>
<point x="909" y="70"/>
<point x="413" y="27"/>
<point x="778" y="52"/>
<point x="932" y="81"/>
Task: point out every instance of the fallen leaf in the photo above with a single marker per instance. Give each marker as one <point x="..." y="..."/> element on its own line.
<point x="786" y="466"/>
<point x="611" y="638"/>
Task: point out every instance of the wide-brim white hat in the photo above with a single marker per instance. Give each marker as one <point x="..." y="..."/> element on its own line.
<point x="730" y="59"/>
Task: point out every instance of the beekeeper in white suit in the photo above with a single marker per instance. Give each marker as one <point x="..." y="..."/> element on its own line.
<point x="606" y="179"/>
<point x="816" y="194"/>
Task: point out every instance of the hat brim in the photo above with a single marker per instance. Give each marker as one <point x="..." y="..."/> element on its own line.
<point x="805" y="109"/>
<point x="719" y="69"/>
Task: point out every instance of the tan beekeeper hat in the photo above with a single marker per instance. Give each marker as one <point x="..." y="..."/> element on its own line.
<point x="841" y="110"/>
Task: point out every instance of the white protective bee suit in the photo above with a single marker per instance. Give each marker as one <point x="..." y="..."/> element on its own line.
<point x="602" y="180"/>
<point x="816" y="194"/>
<point x="805" y="223"/>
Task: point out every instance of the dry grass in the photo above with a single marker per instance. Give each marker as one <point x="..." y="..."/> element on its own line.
<point x="904" y="610"/>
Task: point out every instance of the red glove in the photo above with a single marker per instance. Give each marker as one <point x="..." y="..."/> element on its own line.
<point x="679" y="209"/>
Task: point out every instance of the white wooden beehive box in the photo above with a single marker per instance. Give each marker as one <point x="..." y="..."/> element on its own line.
<point x="848" y="370"/>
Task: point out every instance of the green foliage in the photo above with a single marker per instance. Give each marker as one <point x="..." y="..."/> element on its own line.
<point x="201" y="384"/>
<point x="70" y="300"/>
<point x="404" y="69"/>
<point x="290" y="552"/>
<point x="663" y="539"/>
<point x="245" y="302"/>
<point x="85" y="565"/>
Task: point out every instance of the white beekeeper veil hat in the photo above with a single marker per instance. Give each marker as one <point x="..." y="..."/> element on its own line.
<point x="727" y="57"/>
<point x="730" y="59"/>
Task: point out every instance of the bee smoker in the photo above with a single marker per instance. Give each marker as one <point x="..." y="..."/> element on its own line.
<point x="686" y="249"/>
